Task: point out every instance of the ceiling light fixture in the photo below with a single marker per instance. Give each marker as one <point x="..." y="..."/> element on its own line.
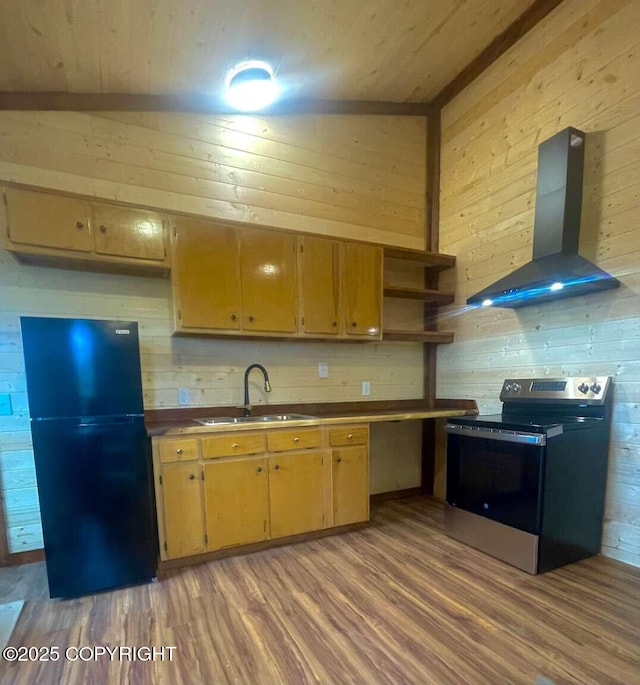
<point x="251" y="86"/>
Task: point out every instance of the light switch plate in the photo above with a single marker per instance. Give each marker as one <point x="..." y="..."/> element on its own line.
<point x="5" y="404"/>
<point x="184" y="396"/>
<point x="323" y="370"/>
<point x="366" y="388"/>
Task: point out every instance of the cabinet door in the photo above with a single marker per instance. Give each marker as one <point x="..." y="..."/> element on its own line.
<point x="205" y="276"/>
<point x="125" y="232"/>
<point x="296" y="492"/>
<point x="268" y="274"/>
<point x="48" y="220"/>
<point x="236" y="502"/>
<point x="182" y="510"/>
<point x="362" y="290"/>
<point x="319" y="289"/>
<point x="350" y="480"/>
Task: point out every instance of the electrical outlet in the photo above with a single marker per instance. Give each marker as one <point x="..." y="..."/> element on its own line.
<point x="184" y="396"/>
<point x="366" y="388"/>
<point x="5" y="404"/>
<point x="323" y="370"/>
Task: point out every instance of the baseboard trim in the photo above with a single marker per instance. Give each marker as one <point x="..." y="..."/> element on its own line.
<point x="380" y="497"/>
<point x="165" y="567"/>
<point x="20" y="558"/>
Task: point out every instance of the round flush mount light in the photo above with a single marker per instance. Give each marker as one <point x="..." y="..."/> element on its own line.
<point x="251" y="86"/>
<point x="554" y="287"/>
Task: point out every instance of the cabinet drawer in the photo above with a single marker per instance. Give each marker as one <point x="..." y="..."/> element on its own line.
<point x="178" y="450"/>
<point x="230" y="444"/>
<point x="294" y="439"/>
<point x="349" y="435"/>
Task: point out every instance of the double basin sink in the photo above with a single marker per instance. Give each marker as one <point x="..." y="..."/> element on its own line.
<point x="268" y="418"/>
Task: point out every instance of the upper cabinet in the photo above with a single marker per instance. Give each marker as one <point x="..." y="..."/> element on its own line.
<point x="42" y="220"/>
<point x="268" y="280"/>
<point x="319" y="286"/>
<point x="55" y="230"/>
<point x="362" y="290"/>
<point x="205" y="277"/>
<point x="125" y="232"/>
<point x="257" y="282"/>
<point x="233" y="281"/>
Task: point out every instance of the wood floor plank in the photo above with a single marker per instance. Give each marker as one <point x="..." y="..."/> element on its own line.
<point x="395" y="602"/>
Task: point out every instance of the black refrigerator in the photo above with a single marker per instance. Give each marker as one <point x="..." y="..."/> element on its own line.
<point x="91" y="452"/>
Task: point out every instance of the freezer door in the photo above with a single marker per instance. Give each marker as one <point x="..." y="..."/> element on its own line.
<point x="95" y="490"/>
<point x="81" y="367"/>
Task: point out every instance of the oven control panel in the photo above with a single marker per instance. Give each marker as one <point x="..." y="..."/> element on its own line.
<point x="574" y="389"/>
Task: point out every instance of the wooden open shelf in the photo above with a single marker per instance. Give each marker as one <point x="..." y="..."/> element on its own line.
<point x="437" y="297"/>
<point x="436" y="337"/>
<point x="433" y="260"/>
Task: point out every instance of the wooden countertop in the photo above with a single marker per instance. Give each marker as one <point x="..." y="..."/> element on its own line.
<point x="187" y="425"/>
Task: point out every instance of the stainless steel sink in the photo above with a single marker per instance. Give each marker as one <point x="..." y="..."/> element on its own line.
<point x="268" y="418"/>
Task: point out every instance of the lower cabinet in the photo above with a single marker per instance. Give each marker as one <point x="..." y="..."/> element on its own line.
<point x="350" y="485"/>
<point x="296" y="489"/>
<point x="349" y="473"/>
<point x="180" y="507"/>
<point x="236" y="496"/>
<point x="226" y="489"/>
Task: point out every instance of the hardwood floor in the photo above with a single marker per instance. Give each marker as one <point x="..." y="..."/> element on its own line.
<point x="397" y="602"/>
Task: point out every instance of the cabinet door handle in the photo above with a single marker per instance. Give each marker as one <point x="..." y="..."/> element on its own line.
<point x="353" y="324"/>
<point x="233" y="317"/>
<point x="179" y="450"/>
<point x="339" y="459"/>
<point x="79" y="224"/>
<point x="103" y="228"/>
<point x="259" y="469"/>
<point x="234" y="445"/>
<point x="334" y="324"/>
<point x="277" y="467"/>
<point x="296" y="439"/>
<point x="192" y="477"/>
<point x="250" y="318"/>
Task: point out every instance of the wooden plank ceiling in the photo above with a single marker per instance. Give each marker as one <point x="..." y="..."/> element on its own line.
<point x="386" y="50"/>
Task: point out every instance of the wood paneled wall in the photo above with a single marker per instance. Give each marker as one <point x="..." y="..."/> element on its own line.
<point x="354" y="177"/>
<point x="579" y="67"/>
<point x="359" y="177"/>
<point x="211" y="369"/>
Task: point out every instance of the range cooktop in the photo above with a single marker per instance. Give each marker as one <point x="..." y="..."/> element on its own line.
<point x="518" y="422"/>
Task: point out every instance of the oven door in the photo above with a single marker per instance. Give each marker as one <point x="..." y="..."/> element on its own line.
<point x="497" y="474"/>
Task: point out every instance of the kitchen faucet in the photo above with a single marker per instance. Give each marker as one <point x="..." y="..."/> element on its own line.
<point x="267" y="385"/>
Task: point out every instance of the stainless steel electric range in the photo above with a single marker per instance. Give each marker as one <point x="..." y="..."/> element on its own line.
<point x="528" y="485"/>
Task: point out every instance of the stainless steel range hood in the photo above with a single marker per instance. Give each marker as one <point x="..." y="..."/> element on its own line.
<point x="556" y="270"/>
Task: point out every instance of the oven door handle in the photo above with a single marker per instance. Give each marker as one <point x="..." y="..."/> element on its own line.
<point x="520" y="437"/>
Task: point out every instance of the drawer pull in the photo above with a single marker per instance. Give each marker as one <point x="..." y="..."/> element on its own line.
<point x="339" y="459"/>
<point x="79" y="225"/>
<point x="350" y="436"/>
<point x="277" y="467"/>
<point x="103" y="228"/>
<point x="179" y="450"/>
<point x="296" y="439"/>
<point x="192" y="477"/>
<point x="259" y="469"/>
<point x="234" y="445"/>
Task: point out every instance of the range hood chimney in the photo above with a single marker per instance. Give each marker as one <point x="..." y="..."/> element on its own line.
<point x="556" y="270"/>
